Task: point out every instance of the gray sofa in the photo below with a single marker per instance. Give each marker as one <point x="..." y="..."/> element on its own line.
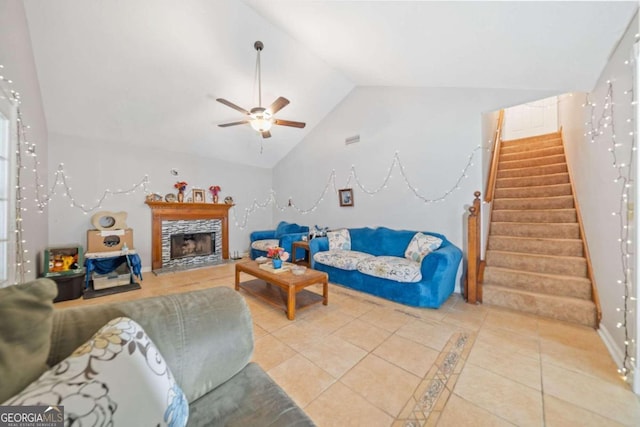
<point x="206" y="338"/>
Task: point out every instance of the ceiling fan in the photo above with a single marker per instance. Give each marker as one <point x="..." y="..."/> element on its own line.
<point x="261" y="119"/>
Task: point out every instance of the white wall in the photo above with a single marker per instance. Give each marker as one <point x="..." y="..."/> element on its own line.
<point x="17" y="58"/>
<point x="94" y="166"/>
<point x="433" y="129"/>
<point x="593" y="175"/>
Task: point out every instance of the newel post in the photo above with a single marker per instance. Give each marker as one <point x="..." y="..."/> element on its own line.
<point x="473" y="251"/>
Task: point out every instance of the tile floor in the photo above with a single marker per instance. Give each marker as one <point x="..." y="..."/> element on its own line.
<point x="364" y="361"/>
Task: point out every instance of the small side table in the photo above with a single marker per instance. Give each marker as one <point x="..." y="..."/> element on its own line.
<point x="300" y="244"/>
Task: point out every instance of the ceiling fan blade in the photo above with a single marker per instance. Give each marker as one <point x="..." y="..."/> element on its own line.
<point x="278" y="105"/>
<point x="224" y="125"/>
<point x="289" y="123"/>
<point x="266" y="134"/>
<point x="232" y="105"/>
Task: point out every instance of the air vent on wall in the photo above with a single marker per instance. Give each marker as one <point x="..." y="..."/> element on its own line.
<point x="352" y="140"/>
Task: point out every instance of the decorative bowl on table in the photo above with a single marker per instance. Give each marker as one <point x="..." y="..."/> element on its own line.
<point x="262" y="259"/>
<point x="298" y="270"/>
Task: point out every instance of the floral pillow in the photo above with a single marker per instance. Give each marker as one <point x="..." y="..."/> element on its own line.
<point x="339" y="239"/>
<point x="420" y="246"/>
<point x="116" y="378"/>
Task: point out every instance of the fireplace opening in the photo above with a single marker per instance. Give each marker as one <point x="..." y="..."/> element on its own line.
<point x="192" y="244"/>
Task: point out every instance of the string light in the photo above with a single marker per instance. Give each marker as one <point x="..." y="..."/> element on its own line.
<point x="271" y="199"/>
<point x="24" y="148"/>
<point x="596" y="131"/>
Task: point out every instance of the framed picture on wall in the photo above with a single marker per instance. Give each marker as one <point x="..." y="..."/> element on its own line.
<point x="198" y="196"/>
<point x="346" y="197"/>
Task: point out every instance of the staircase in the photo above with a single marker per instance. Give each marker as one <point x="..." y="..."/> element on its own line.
<point x="535" y="261"/>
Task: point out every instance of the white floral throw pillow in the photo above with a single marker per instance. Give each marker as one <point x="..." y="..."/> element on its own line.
<point x="339" y="239"/>
<point x="117" y="378"/>
<point x="420" y="246"/>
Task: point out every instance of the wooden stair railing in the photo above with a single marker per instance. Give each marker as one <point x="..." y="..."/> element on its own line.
<point x="495" y="154"/>
<point x="473" y="284"/>
<point x="473" y="289"/>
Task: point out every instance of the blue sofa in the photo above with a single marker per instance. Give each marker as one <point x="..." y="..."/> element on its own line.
<point x="284" y="235"/>
<point x="437" y="271"/>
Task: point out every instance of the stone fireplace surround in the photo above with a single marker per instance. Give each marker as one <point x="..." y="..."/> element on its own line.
<point x="163" y="214"/>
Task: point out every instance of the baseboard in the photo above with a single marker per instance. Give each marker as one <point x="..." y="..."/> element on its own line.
<point x="616" y="352"/>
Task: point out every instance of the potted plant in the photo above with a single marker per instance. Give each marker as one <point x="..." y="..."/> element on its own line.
<point x="277" y="255"/>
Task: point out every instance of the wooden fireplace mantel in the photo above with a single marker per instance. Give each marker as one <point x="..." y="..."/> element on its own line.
<point x="165" y="211"/>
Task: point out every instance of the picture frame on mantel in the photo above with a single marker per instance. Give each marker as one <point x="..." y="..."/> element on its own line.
<point x="345" y="196"/>
<point x="198" y="196"/>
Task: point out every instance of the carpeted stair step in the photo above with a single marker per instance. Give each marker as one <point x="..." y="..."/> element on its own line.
<point x="561" y="308"/>
<point x="532" y="154"/>
<point x="506" y="147"/>
<point x="549" y="284"/>
<point x="550" y="264"/>
<point x="536" y="180"/>
<point x="533" y="171"/>
<point x="532" y="139"/>
<point x="538" y="161"/>
<point x="532" y="245"/>
<point x="555" y="202"/>
<point x="533" y="229"/>
<point x="537" y="191"/>
<point x="535" y="215"/>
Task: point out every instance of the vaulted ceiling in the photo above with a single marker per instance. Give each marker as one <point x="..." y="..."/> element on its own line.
<point x="147" y="72"/>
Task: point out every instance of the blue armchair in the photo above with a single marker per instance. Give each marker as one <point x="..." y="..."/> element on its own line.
<point x="284" y="235"/>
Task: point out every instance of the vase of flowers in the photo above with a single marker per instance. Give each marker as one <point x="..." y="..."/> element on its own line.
<point x="277" y="255"/>
<point x="181" y="186"/>
<point x="215" y="189"/>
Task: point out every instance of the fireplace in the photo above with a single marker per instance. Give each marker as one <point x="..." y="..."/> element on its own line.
<point x="170" y="219"/>
<point x="191" y="243"/>
<point x="185" y="245"/>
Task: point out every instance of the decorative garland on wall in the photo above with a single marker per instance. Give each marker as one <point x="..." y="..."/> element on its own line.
<point x="604" y="127"/>
<point x="353" y="175"/>
<point x="27" y="148"/>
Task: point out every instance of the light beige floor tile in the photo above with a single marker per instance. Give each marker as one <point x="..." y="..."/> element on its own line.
<point x="300" y="334"/>
<point x="302" y="380"/>
<point x="576" y="336"/>
<point x="271" y="320"/>
<point x="269" y="352"/>
<point x="523" y="369"/>
<point x="341" y="406"/>
<point x="617" y="402"/>
<point x="558" y="413"/>
<point x="335" y="355"/>
<point x="594" y="363"/>
<point x="258" y="332"/>
<point x="386" y="318"/>
<point x="352" y="305"/>
<point x="330" y="322"/>
<point x="407" y="354"/>
<point x="362" y="334"/>
<point x="430" y="334"/>
<point x="471" y="320"/>
<point x="381" y="383"/>
<point x="514" y="322"/>
<point x="503" y="397"/>
<point x="459" y="413"/>
<point x="514" y="342"/>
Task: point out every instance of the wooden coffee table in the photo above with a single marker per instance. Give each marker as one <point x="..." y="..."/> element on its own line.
<point x="283" y="287"/>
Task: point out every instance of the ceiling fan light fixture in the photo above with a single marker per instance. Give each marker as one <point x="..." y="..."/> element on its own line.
<point x="261" y="124"/>
<point x="259" y="118"/>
